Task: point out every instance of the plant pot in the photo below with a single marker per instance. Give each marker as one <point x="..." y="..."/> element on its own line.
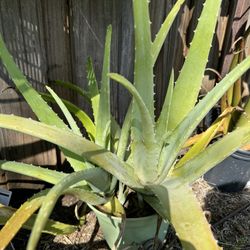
<point x="135" y="231"/>
<point x="232" y="174"/>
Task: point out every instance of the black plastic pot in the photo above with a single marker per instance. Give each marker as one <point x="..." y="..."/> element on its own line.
<point x="232" y="174"/>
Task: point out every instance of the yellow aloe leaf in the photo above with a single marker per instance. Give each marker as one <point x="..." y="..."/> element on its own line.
<point x="237" y="93"/>
<point x="17" y="220"/>
<point x="113" y="207"/>
<point x="223" y="103"/>
<point x="230" y="92"/>
<point x="192" y="140"/>
<point x="226" y="124"/>
<point x="52" y="227"/>
<point x="206" y="137"/>
<point x="227" y="99"/>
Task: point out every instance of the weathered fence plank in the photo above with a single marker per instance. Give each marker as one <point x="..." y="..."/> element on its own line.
<point x="21" y="28"/>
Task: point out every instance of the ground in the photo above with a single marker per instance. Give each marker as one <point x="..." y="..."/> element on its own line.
<point x="229" y="215"/>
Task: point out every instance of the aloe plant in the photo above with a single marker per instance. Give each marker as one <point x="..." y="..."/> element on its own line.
<point x="144" y="153"/>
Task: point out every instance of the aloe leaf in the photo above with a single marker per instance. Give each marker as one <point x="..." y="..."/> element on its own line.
<point x="223" y="103"/>
<point x="144" y="153"/>
<point x="42" y="110"/>
<point x="245" y="116"/>
<point x="113" y="207"/>
<point x="124" y="137"/>
<point x="145" y="149"/>
<point x="93" y="88"/>
<point x="106" y="136"/>
<point x="44" y="174"/>
<point x="143" y="69"/>
<point x="213" y="155"/>
<point x="80" y="114"/>
<point x="37" y="104"/>
<point x="99" y="182"/>
<point x="187" y="219"/>
<point x="233" y="96"/>
<point x="65" y="111"/>
<point x="148" y="125"/>
<point x="73" y="87"/>
<point x="52" y="227"/>
<point x="238" y="57"/>
<point x="115" y="135"/>
<point x="17" y="220"/>
<point x="237" y="96"/>
<point x="50" y="176"/>
<point x="230" y="92"/>
<point x="104" y="118"/>
<point x="80" y="192"/>
<point x="53" y="176"/>
<point x="163" y="120"/>
<point x="206" y="137"/>
<point x="201" y="144"/>
<point x="189" y="81"/>
<point x="192" y="140"/>
<point x="77" y="145"/>
<point x="165" y="27"/>
<point x="119" y="140"/>
<point x="51" y="198"/>
<point x="186" y="127"/>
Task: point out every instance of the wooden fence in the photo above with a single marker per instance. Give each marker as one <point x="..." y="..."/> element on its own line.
<point x="51" y="39"/>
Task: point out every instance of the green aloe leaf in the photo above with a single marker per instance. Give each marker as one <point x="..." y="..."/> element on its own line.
<point x="103" y="122"/>
<point x="44" y="174"/>
<point x="124" y="136"/>
<point x="189" y="81"/>
<point x="76" y="111"/>
<point x="77" y="145"/>
<point x="115" y="135"/>
<point x="94" y="94"/>
<point x="148" y="129"/>
<point x="93" y="88"/>
<point x="177" y="203"/>
<point x="53" y="176"/>
<point x="65" y="111"/>
<point x="51" y="198"/>
<point x="145" y="149"/>
<point x="37" y="104"/>
<point x="165" y="27"/>
<point x="143" y="68"/>
<point x="244" y="118"/>
<point x="73" y="87"/>
<point x="163" y="120"/>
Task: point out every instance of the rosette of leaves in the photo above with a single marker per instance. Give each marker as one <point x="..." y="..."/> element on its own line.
<point x="142" y="154"/>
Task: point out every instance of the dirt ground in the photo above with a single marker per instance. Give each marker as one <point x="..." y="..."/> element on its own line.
<point x="229" y="215"/>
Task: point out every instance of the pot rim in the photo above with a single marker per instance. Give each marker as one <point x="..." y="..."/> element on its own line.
<point x="242" y="154"/>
